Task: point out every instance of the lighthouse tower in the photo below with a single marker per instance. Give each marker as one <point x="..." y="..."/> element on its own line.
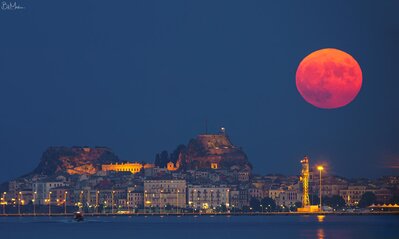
<point x="305" y="181"/>
<point x="306" y="207"/>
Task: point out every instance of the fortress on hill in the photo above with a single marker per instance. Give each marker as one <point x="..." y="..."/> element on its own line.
<point x="205" y="151"/>
<point x="215" y="151"/>
<point x="126" y="167"/>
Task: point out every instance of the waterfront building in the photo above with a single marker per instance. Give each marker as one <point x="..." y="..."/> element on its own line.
<point x="383" y="195"/>
<point x="275" y="193"/>
<point x="234" y="199"/>
<point x="61" y="195"/>
<point x="43" y="189"/>
<point x="352" y="194"/>
<point x="288" y="197"/>
<point x="161" y="193"/>
<point x="330" y="190"/>
<point x="257" y="193"/>
<point x="239" y="196"/>
<point x="204" y="197"/>
<point x="135" y="198"/>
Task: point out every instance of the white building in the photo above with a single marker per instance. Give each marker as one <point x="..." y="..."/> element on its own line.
<point x="42" y="191"/>
<point x="257" y="193"/>
<point x="161" y="193"/>
<point x="352" y="194"/>
<point x="288" y="198"/>
<point x="275" y="193"/>
<point x="135" y="198"/>
<point x="208" y="196"/>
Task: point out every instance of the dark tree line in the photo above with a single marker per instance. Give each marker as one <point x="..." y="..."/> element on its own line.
<point x="264" y="205"/>
<point x="367" y="199"/>
<point x="163" y="158"/>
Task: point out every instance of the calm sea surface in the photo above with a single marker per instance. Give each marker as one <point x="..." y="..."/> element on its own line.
<point x="204" y="227"/>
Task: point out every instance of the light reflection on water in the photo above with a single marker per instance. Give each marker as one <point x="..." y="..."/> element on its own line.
<point x="204" y="227"/>
<point x="320" y="233"/>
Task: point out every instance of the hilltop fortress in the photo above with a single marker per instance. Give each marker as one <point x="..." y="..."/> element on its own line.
<point x="205" y="151"/>
<point x="215" y="151"/>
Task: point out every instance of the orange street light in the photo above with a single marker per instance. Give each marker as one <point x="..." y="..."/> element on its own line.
<point x="19" y="202"/>
<point x="4" y="202"/>
<point x="320" y="168"/>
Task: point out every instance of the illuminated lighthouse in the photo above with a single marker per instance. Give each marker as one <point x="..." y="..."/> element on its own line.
<point x="304" y="178"/>
<point x="305" y="182"/>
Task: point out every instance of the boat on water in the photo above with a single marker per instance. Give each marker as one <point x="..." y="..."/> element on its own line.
<point x="78" y="216"/>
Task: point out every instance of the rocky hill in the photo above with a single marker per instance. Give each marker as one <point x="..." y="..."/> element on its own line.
<point x="215" y="148"/>
<point x="205" y="150"/>
<point x="74" y="160"/>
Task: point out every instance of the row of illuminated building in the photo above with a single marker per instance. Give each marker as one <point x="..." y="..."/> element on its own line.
<point x="150" y="194"/>
<point x="176" y="194"/>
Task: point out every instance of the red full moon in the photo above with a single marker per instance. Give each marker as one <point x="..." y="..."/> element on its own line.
<point x="329" y="78"/>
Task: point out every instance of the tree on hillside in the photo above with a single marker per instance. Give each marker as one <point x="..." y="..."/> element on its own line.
<point x="162" y="159"/>
<point x="367" y="199"/>
<point x="175" y="155"/>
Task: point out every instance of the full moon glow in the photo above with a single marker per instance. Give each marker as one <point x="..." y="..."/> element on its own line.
<point x="329" y="78"/>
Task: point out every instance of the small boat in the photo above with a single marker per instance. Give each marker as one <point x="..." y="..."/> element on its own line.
<point x="78" y="216"/>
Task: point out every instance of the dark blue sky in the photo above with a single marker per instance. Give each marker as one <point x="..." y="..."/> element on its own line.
<point x="142" y="76"/>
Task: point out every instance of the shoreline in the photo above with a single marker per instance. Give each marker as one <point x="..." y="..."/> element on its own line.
<point x="396" y="213"/>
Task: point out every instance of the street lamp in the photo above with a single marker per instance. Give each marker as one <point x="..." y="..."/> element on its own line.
<point x="4" y="202"/>
<point x="112" y="206"/>
<point x="34" y="204"/>
<point x="177" y="201"/>
<point x="19" y="202"/>
<point x="227" y="198"/>
<point x="211" y="200"/>
<point x="98" y="192"/>
<point x="65" y="202"/>
<point x="320" y="168"/>
<point x="160" y="202"/>
<point x="128" y="200"/>
<point x="80" y="200"/>
<point x="145" y="201"/>
<point x="49" y="203"/>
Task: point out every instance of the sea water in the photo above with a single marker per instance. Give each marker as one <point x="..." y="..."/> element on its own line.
<point x="204" y="227"/>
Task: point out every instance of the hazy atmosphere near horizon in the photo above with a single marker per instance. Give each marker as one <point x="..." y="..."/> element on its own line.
<point x="144" y="76"/>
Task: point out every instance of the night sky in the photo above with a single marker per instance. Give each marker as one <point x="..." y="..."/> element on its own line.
<point x="143" y="76"/>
